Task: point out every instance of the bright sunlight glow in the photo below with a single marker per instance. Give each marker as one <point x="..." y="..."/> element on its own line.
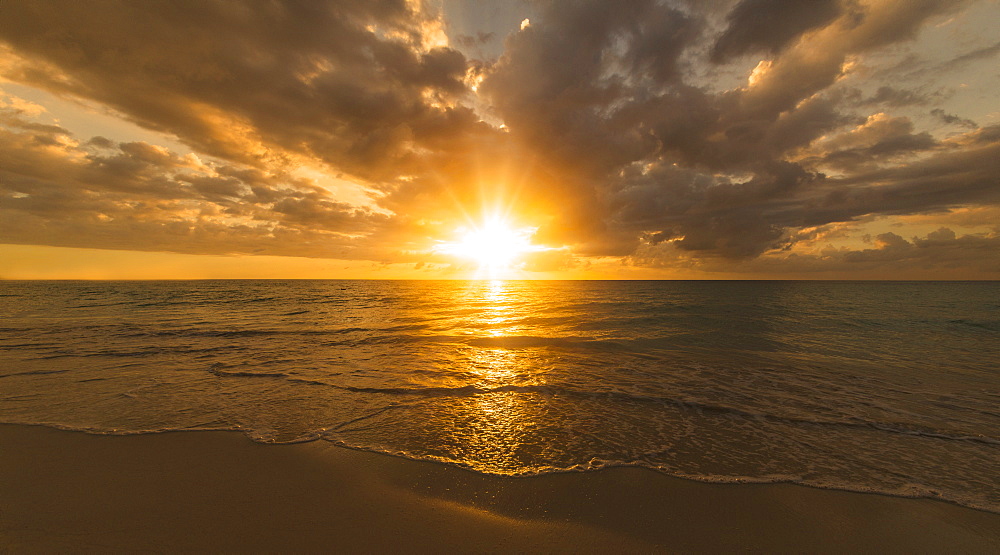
<point x="494" y="245"/>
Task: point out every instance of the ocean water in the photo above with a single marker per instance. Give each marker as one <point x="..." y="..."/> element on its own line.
<point x="889" y="387"/>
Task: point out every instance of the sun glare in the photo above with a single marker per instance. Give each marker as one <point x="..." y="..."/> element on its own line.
<point x="494" y="245"/>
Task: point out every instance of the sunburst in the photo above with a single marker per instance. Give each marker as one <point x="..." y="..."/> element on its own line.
<point x="494" y="245"/>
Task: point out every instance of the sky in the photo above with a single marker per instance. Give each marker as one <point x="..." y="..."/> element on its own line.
<point x="448" y="139"/>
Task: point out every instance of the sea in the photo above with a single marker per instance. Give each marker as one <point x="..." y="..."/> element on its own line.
<point x="883" y="387"/>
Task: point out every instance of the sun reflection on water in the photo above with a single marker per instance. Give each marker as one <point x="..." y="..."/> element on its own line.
<point x="497" y="432"/>
<point x="497" y="311"/>
<point x="497" y="367"/>
<point x="493" y="428"/>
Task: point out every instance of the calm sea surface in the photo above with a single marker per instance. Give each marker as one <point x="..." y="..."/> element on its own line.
<point x="884" y="387"/>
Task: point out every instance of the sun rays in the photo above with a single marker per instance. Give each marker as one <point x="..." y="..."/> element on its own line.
<point x="495" y="245"/>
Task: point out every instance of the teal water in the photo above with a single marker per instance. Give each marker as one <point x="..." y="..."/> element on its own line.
<point x="889" y="387"/>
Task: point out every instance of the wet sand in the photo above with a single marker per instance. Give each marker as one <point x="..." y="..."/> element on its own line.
<point x="219" y="492"/>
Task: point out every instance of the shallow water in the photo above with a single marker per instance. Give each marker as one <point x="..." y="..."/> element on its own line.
<point x="891" y="387"/>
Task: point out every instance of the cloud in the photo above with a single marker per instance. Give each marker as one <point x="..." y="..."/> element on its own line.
<point x="595" y="124"/>
<point x="974" y="55"/>
<point x="348" y="82"/>
<point x="469" y="41"/>
<point x="896" y="97"/>
<point x="941" y="248"/>
<point x="953" y="119"/>
<point x="769" y="25"/>
<point x="954" y="177"/>
<point x="58" y="191"/>
<point x="940" y="254"/>
<point x="617" y="141"/>
<point x="880" y="140"/>
<point x="808" y="67"/>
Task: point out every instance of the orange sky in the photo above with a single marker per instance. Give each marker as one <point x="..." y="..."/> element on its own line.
<point x="764" y="139"/>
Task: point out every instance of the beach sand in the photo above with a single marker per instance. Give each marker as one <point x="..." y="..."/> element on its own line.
<point x="66" y="491"/>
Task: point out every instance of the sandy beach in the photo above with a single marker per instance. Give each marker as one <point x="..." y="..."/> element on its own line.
<point x="219" y="492"/>
<point x="465" y="276"/>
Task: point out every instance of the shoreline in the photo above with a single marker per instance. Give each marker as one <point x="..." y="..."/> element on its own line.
<point x="219" y="491"/>
<point x="527" y="475"/>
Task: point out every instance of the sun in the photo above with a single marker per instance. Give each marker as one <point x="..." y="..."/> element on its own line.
<point x="495" y="245"/>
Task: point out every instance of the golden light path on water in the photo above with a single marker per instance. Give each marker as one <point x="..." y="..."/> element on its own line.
<point x="493" y="428"/>
<point x="824" y="384"/>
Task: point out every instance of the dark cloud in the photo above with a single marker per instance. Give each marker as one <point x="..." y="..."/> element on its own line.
<point x="807" y="68"/>
<point x="941" y="248"/>
<point x="895" y="97"/>
<point x="711" y="217"/>
<point x="769" y="25"/>
<point x="607" y="142"/>
<point x="958" y="176"/>
<point x="891" y="148"/>
<point x="952" y="178"/>
<point x="878" y="141"/>
<point x="975" y="55"/>
<point x="558" y="90"/>
<point x="941" y="254"/>
<point x="347" y="82"/>
<point x="469" y="41"/>
<point x="953" y="119"/>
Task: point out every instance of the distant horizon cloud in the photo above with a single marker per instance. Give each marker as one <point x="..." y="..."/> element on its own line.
<point x="656" y="138"/>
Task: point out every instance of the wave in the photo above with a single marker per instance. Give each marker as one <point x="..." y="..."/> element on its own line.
<point x="35" y="373"/>
<point x="557" y="391"/>
<point x="98" y="305"/>
<point x="219" y="369"/>
<point x="168" y="303"/>
<point x="992" y="325"/>
<point x="240" y="333"/>
<point x="149" y="352"/>
<point x="784" y="361"/>
<point x="909" y="490"/>
<point x="26" y="345"/>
